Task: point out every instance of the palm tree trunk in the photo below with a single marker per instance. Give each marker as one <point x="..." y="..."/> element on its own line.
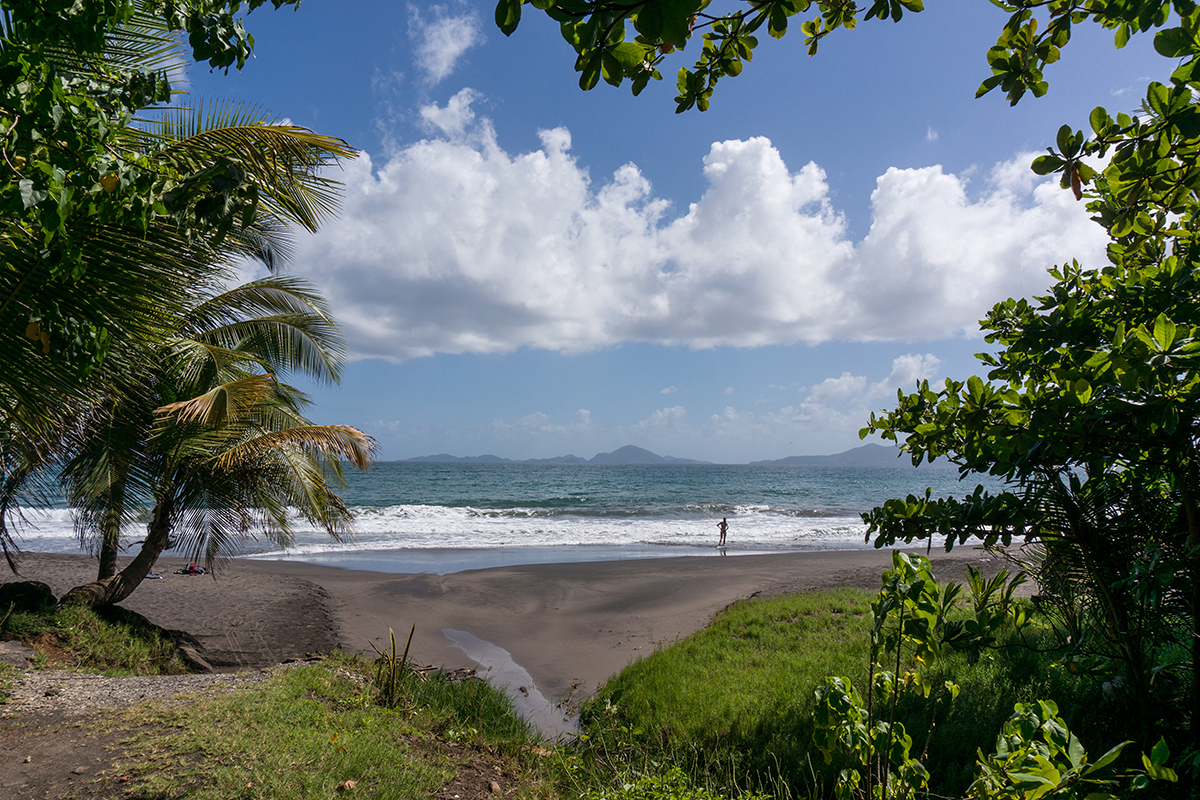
<point x="108" y="549"/>
<point x="110" y="534"/>
<point x="116" y="588"/>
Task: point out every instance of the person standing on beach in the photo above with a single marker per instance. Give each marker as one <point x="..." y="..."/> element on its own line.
<point x="722" y="526"/>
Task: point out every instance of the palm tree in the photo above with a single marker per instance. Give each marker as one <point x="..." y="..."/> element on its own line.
<point x="84" y="329"/>
<point x="149" y="211"/>
<point x="209" y="441"/>
<point x="106" y="219"/>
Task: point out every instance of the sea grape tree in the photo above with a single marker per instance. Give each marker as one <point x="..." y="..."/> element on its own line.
<point x="617" y="41"/>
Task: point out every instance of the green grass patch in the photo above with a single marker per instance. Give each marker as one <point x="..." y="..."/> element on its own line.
<point x="111" y="641"/>
<point x="732" y="705"/>
<point x="309" y="729"/>
<point x="8" y="682"/>
<point x="672" y="784"/>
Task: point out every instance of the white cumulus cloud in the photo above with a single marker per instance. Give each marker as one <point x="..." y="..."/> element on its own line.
<point x="454" y="245"/>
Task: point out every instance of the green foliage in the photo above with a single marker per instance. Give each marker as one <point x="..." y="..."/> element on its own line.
<point x="1037" y="756"/>
<point x="1090" y="413"/>
<point x="845" y="727"/>
<point x="118" y="217"/>
<point x="911" y="611"/>
<point x="390" y="671"/>
<point x="734" y="705"/>
<point x="598" y="31"/>
<point x="1089" y="408"/>
<point x="79" y="182"/>
<point x="620" y="41"/>
<point x="1022" y="667"/>
<point x="204" y="437"/>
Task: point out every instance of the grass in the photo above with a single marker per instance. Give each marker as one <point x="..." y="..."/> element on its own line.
<point x="8" y="682"/>
<point x="310" y="729"/>
<point x="111" y="641"/>
<point x="732" y="705"/>
<point x="988" y="690"/>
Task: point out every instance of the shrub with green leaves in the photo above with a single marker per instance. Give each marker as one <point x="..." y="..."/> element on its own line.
<point x="1037" y="756"/>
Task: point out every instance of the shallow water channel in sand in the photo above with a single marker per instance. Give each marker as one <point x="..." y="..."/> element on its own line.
<point x="496" y="665"/>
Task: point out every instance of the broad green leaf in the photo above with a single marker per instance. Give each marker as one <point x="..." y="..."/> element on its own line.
<point x="1075" y="752"/>
<point x="1164" y="333"/>
<point x="1044" y="165"/>
<point x="1121" y="38"/>
<point x="630" y="55"/>
<point x="590" y="74"/>
<point x="1031" y="778"/>
<point x="649" y="20"/>
<point x="29" y="196"/>
<point x="1174" y="43"/>
<point x="508" y="15"/>
<point x="1160" y="752"/>
<point x="611" y="68"/>
<point x="1158" y="773"/>
<point x="1068" y="142"/>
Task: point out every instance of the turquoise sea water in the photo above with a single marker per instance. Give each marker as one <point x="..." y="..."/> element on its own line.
<point x="444" y="517"/>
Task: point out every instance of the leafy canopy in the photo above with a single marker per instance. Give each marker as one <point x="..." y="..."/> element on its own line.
<point x="85" y="178"/>
<point x="617" y="41"/>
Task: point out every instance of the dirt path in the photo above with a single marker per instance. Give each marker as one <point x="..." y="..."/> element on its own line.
<point x="56" y="733"/>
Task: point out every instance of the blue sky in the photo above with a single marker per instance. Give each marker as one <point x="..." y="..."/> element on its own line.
<point x="525" y="269"/>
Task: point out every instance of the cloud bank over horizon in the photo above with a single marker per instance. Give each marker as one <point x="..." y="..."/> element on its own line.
<point x="453" y="245"/>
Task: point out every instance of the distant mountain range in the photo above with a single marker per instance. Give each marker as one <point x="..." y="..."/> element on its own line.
<point x="869" y="455"/>
<point x="625" y="455"/>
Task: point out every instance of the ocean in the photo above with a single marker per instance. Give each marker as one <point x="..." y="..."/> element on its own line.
<point x="424" y="517"/>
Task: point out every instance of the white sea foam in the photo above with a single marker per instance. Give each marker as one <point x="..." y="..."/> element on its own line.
<point x="424" y="527"/>
<point x="421" y="527"/>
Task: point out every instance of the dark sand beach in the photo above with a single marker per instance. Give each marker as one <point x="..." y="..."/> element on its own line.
<point x="570" y="626"/>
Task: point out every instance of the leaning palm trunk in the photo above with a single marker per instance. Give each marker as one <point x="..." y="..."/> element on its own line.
<point x="110" y="542"/>
<point x="116" y="588"/>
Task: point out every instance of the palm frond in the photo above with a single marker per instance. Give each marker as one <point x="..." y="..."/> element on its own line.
<point x="285" y="162"/>
<point x="278" y="320"/>
<point x="224" y="403"/>
<point x="194" y="365"/>
<point x="323" y="442"/>
<point x="142" y="43"/>
<point x="277" y="295"/>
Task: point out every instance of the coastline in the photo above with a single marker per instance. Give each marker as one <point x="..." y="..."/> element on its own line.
<point x="569" y="625"/>
<point x="446" y="560"/>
